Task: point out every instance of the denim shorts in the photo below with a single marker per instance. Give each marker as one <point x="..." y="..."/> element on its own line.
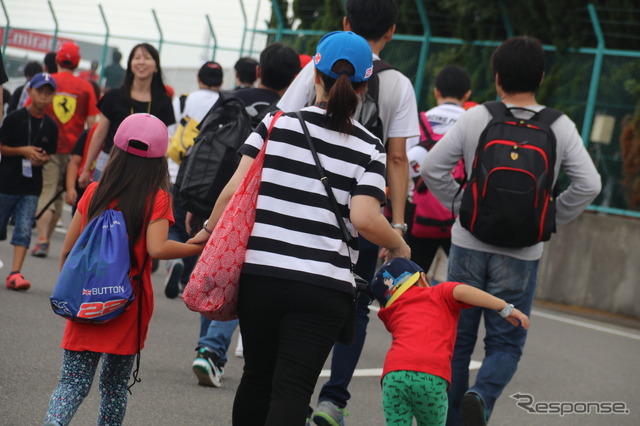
<point x="23" y="210"/>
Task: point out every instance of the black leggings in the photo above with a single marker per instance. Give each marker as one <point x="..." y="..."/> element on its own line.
<point x="288" y="329"/>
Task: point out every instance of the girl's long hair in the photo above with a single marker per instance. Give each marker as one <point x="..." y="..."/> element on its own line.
<point x="343" y="99"/>
<point x="134" y="182"/>
<point x="158" y="90"/>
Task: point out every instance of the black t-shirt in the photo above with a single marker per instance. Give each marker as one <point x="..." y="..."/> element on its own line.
<point x="78" y="148"/>
<point x="116" y="109"/>
<point x="256" y="98"/>
<point x="21" y="129"/>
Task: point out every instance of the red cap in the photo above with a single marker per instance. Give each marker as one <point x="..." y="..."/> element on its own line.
<point x="68" y="55"/>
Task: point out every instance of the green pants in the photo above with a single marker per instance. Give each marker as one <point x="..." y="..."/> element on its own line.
<point x="409" y="394"/>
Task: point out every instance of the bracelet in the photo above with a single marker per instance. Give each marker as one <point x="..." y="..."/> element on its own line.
<point x="401" y="226"/>
<point x="204" y="226"/>
<point x="506" y="311"/>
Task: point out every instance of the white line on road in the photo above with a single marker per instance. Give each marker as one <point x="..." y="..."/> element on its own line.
<point x="474" y="365"/>
<point x="586" y="325"/>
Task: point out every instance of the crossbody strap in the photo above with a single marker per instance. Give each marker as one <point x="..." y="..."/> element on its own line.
<point x="346" y="235"/>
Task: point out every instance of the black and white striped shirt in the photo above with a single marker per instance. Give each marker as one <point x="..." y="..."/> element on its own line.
<point x="296" y="234"/>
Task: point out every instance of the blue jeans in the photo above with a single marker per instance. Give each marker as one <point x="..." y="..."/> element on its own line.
<point x="23" y="210"/>
<point x="345" y="358"/>
<point x="216" y="336"/>
<point x="505" y="277"/>
<point x="178" y="232"/>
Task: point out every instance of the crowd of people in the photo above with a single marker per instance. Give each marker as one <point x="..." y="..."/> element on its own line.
<point x="122" y="147"/>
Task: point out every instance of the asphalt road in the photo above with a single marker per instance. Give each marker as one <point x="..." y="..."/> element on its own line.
<point x="570" y="360"/>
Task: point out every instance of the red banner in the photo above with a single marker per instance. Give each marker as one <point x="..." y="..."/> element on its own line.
<point x="30" y="40"/>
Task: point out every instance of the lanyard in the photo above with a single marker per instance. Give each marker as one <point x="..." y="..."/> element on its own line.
<point x="29" y="140"/>
<point x="148" y="107"/>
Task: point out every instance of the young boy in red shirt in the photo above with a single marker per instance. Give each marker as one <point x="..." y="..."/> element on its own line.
<point x="423" y="322"/>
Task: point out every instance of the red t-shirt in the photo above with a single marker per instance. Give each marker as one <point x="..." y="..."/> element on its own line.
<point x="74" y="101"/>
<point x="120" y="335"/>
<point x="423" y="323"/>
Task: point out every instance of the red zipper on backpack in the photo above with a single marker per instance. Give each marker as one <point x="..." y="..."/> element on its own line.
<point x="474" y="191"/>
<point x="544" y="215"/>
<point x="524" y="146"/>
<point x="514" y="123"/>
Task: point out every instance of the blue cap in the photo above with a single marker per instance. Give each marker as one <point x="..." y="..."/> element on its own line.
<point x="39" y="80"/>
<point x="348" y="46"/>
<point x="394" y="278"/>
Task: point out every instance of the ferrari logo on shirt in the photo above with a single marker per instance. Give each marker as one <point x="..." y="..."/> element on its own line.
<point x="514" y="156"/>
<point x="64" y="106"/>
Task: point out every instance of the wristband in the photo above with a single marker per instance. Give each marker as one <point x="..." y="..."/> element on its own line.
<point x="204" y="226"/>
<point x="506" y="311"/>
<point x="401" y="226"/>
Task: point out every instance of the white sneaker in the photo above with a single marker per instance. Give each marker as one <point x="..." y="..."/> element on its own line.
<point x="175" y="267"/>
<point x="239" y="349"/>
<point x="206" y="369"/>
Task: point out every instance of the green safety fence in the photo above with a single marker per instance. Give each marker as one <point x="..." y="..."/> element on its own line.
<point x="600" y="91"/>
<point x="600" y="94"/>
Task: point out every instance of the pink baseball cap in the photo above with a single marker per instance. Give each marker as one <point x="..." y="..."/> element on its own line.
<point x="143" y="135"/>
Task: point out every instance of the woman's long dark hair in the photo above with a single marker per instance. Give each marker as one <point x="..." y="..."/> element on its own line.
<point x="343" y="99"/>
<point x="158" y="90"/>
<point x="134" y="182"/>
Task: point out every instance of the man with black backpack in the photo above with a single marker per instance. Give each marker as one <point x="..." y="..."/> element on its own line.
<point x="390" y="112"/>
<point x="513" y="151"/>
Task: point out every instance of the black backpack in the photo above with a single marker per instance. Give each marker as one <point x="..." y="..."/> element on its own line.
<point x="209" y="164"/>
<point x="369" y="115"/>
<point x="509" y="200"/>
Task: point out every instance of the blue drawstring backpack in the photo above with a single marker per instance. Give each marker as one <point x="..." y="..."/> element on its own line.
<point x="94" y="284"/>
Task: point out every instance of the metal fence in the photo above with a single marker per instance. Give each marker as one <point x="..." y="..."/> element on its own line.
<point x="599" y="90"/>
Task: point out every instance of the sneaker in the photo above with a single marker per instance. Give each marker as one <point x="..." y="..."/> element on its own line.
<point x="206" y="368"/>
<point x="472" y="410"/>
<point x="16" y="281"/>
<point x="328" y="414"/>
<point x="40" y="250"/>
<point x="172" y="282"/>
<point x="239" y="352"/>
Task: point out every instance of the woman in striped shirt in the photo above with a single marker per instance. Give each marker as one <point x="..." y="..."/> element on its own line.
<point x="296" y="287"/>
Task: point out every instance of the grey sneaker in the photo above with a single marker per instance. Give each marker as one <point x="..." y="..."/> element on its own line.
<point x="40" y="250"/>
<point x="472" y="410"/>
<point x="175" y="267"/>
<point x="206" y="368"/>
<point x="329" y="414"/>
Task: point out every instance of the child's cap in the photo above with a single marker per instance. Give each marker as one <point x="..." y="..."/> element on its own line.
<point x="143" y="135"/>
<point x="394" y="278"/>
<point x="346" y="45"/>
<point x="210" y="74"/>
<point x="41" y="79"/>
<point x="68" y="55"/>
